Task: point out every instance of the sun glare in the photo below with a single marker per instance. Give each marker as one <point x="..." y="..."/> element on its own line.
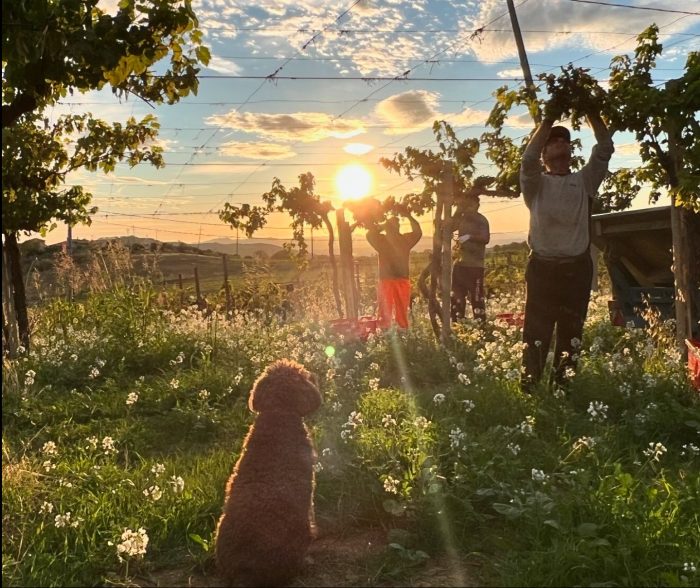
<point x="353" y="181"/>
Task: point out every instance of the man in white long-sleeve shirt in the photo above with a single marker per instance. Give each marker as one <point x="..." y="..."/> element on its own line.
<point x="559" y="270"/>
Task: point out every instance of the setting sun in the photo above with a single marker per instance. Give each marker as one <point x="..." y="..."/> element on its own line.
<point x="353" y="181"/>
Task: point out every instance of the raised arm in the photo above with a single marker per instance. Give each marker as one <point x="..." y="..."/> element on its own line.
<point x="594" y="171"/>
<point x="373" y="235"/>
<point x="531" y="168"/>
<point x="416" y="231"/>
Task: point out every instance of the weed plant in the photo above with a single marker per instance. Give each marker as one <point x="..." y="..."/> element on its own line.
<point x="122" y="423"/>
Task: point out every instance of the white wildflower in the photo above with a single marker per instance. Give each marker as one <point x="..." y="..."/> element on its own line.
<point x="157" y="469"/>
<point x="464" y="379"/>
<point x="108" y="445"/>
<point x="597" y="410"/>
<point x="46" y="508"/>
<point x="62" y="520"/>
<point x="49" y="448"/>
<point x="421" y="422"/>
<point x="584" y="442"/>
<point x="539" y="475"/>
<point x="655" y="451"/>
<point x="388" y="421"/>
<point x="514" y="448"/>
<point x="690" y="449"/>
<point x="132" y="398"/>
<point x="29" y="377"/>
<point x="456" y="438"/>
<point x="177" y="484"/>
<point x="133" y="544"/>
<point x="153" y="492"/>
<point x="527" y="426"/>
<point x="391" y="485"/>
<point x="468" y="405"/>
<point x="439" y="398"/>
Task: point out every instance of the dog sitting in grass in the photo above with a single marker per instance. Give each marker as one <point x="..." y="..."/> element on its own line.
<point x="267" y="521"/>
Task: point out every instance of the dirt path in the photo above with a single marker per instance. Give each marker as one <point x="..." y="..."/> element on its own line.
<point x="353" y="559"/>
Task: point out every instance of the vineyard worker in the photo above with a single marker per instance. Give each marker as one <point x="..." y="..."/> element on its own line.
<point x="559" y="270"/>
<point x="393" y="249"/>
<point x="468" y="269"/>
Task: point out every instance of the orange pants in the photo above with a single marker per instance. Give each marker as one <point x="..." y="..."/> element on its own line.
<point x="394" y="297"/>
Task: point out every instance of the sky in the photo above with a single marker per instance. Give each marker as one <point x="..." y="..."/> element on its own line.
<point x="227" y="143"/>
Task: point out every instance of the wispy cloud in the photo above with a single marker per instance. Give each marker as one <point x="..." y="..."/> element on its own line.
<point x="299" y="126"/>
<point x="358" y="148"/>
<point x="257" y="150"/>
<point x="595" y="27"/>
<point x="224" y="66"/>
<point x="510" y="73"/>
<point x="416" y="110"/>
<point x="409" y="111"/>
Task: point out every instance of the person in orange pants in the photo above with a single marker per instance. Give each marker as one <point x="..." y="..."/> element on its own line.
<point x="393" y="250"/>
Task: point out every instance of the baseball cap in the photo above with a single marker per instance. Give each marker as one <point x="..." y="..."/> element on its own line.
<point x="559" y="132"/>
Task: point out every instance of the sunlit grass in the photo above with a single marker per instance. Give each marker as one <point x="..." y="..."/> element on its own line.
<point x="129" y="416"/>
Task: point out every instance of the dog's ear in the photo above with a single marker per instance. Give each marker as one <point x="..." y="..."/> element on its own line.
<point x="285" y="386"/>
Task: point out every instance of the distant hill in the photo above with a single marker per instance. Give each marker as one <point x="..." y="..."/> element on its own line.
<point x="244" y="247"/>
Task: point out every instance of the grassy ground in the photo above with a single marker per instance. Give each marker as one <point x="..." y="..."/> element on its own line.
<point x="125" y="419"/>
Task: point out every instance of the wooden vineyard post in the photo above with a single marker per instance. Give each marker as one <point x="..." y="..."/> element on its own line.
<point x="182" y="290"/>
<point x="685" y="289"/>
<point x="198" y="292"/>
<point x="10" y="331"/>
<point x="227" y="286"/>
<point x="446" y="190"/>
<point x="346" y="265"/>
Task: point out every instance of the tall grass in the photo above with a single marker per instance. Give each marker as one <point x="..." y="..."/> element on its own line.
<point x="129" y="416"/>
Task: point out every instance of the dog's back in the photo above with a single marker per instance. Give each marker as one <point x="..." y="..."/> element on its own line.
<point x="266" y="526"/>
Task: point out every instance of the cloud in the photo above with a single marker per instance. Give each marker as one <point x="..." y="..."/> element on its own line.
<point x="299" y="126"/>
<point x="224" y="66"/>
<point x="409" y="111"/>
<point x="358" y="148"/>
<point x="416" y="110"/>
<point x="596" y="27"/>
<point x="370" y="38"/>
<point x="510" y="73"/>
<point x="257" y="150"/>
<point x="468" y="117"/>
<point x="627" y="149"/>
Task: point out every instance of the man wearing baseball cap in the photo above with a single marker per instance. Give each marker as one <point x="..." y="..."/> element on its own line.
<point x="559" y="270"/>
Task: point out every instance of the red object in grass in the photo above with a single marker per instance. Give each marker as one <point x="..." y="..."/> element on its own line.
<point x="361" y="328"/>
<point x="694" y="361"/>
<point x="513" y="319"/>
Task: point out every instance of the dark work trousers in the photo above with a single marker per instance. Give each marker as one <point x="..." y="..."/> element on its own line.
<point x="557" y="294"/>
<point x="467" y="282"/>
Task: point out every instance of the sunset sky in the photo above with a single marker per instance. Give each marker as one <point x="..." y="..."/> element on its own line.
<point x="227" y="143"/>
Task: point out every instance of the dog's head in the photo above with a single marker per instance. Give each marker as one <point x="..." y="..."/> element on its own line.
<point x="285" y="386"/>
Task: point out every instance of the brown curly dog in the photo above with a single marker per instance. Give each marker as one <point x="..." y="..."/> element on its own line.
<point x="267" y="523"/>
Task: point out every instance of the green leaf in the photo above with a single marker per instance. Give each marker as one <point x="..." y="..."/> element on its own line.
<point x="587" y="529"/>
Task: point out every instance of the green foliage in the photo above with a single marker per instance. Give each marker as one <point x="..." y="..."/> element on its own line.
<point x="632" y="103"/>
<point x="301" y="203"/>
<point x="659" y="116"/>
<point x="37" y="157"/>
<point x="51" y="49"/>
<point x="436" y="444"/>
<point x="450" y="168"/>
